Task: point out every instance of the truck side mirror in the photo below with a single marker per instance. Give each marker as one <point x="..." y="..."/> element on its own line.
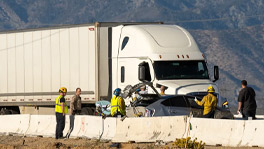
<point x="141" y="72"/>
<point x="216" y="73"/>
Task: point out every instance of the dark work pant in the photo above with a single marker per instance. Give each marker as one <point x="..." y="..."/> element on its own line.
<point x="247" y="114"/>
<point x="209" y="115"/>
<point x="72" y="117"/>
<point x="60" y="119"/>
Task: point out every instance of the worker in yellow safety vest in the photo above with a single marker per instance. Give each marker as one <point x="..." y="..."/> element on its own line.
<point x="209" y="102"/>
<point x="118" y="106"/>
<point x="61" y="109"/>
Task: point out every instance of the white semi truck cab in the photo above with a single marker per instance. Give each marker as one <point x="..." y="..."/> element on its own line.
<point x="97" y="58"/>
<point x="163" y="54"/>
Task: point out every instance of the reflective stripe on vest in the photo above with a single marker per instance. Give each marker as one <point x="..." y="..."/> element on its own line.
<point x="58" y="107"/>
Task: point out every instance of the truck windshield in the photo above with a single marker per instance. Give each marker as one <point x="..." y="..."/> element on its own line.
<point x="169" y="70"/>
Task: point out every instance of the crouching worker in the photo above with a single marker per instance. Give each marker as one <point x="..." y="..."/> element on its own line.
<point x="118" y="106"/>
<point x="209" y="102"/>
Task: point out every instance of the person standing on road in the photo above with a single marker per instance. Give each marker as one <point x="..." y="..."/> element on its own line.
<point x="118" y="106"/>
<point x="246" y="101"/>
<point x="61" y="109"/>
<point x="75" y="109"/>
<point x="209" y="102"/>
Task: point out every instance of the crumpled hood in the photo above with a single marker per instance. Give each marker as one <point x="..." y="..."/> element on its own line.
<point x="187" y="86"/>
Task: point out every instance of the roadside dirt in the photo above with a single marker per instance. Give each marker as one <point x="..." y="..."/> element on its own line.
<point x="18" y="142"/>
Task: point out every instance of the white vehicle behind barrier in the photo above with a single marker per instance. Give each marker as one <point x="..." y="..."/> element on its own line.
<point x="98" y="58"/>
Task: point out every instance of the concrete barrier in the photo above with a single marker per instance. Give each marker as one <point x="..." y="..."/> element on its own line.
<point x="150" y="129"/>
<point x="172" y="128"/>
<point x="86" y="126"/>
<point x="42" y="125"/>
<point x="236" y="133"/>
<point x="217" y="131"/>
<point x="93" y="127"/>
<point x="45" y="125"/>
<point x="14" y="124"/>
<point x="253" y="134"/>
<point x="109" y="128"/>
<point x="77" y="126"/>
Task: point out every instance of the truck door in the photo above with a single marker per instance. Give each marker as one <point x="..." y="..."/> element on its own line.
<point x="115" y="42"/>
<point x="128" y="71"/>
<point x="128" y="60"/>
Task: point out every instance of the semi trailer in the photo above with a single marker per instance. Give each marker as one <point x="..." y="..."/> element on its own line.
<point x="97" y="57"/>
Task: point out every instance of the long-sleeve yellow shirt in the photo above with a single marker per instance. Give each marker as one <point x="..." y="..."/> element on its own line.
<point x="209" y="102"/>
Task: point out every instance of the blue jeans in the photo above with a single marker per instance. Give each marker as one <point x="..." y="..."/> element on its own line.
<point x="72" y="117"/>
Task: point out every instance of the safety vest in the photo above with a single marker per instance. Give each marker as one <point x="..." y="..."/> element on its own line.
<point x="58" y="107"/>
<point x="115" y="106"/>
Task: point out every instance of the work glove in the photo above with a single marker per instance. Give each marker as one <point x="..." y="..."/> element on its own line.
<point x="195" y="99"/>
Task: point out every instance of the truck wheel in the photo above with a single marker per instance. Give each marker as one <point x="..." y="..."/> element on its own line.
<point x="5" y="112"/>
<point x="87" y="111"/>
<point x="9" y="110"/>
<point x="14" y="112"/>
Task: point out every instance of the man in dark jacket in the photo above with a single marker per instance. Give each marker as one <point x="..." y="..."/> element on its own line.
<point x="246" y="101"/>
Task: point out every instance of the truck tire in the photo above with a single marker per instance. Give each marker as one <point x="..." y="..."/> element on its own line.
<point x="5" y="111"/>
<point x="87" y="111"/>
<point x="9" y="110"/>
<point x="14" y="112"/>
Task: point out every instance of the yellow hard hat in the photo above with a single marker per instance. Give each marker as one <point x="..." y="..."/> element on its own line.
<point x="211" y="89"/>
<point x="63" y="90"/>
